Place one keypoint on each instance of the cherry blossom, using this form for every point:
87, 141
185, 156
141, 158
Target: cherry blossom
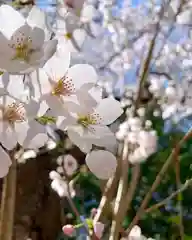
57, 83
60, 185
69, 163
23, 47
136, 234
18, 124
87, 125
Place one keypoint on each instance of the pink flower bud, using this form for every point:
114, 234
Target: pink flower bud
93, 212
68, 230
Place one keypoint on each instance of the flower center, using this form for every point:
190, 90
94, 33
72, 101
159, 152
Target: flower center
63, 87
13, 113
85, 121
68, 36
23, 49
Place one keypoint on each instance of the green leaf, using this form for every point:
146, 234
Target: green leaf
187, 237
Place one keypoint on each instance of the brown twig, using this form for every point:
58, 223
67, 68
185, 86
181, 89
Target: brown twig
157, 181
179, 199
8, 201
187, 184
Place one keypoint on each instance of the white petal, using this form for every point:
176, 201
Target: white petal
37, 36
36, 136
185, 17
89, 97
49, 48
98, 229
98, 132
5, 163
21, 130
102, 163
104, 137
109, 110
79, 36
7, 25
4, 47
38, 141
75, 135
39, 84
8, 136
65, 121
37, 18
55, 105
56, 67
32, 109
82, 74
14, 85
88, 13
135, 232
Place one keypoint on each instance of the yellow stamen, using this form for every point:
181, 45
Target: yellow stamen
68, 36
85, 121
13, 113
58, 88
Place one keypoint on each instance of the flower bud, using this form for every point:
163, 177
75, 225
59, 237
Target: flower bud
68, 230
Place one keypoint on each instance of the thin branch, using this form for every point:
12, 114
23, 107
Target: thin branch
179, 197
8, 201
187, 184
158, 179
161, 74
116, 54
116, 222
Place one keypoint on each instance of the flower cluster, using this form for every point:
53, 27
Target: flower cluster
38, 81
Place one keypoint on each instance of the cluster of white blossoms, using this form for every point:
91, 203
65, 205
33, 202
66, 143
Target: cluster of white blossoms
173, 99
60, 185
38, 79
142, 140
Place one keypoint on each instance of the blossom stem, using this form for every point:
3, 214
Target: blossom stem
107, 195
179, 197
157, 181
116, 222
187, 184
119, 206
8, 201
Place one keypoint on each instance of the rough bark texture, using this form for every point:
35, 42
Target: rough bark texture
37, 206
38, 212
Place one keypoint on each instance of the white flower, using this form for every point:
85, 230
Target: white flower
70, 164
102, 163
18, 124
22, 46
60, 186
5, 163
135, 233
57, 83
87, 126
69, 34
